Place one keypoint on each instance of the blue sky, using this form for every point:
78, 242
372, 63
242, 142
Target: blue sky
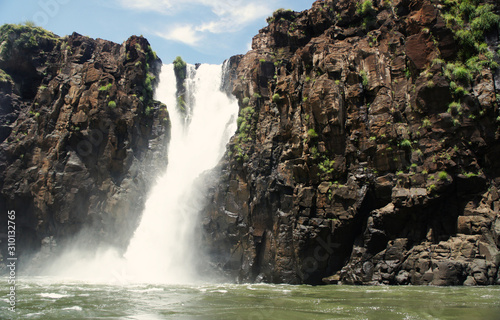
205, 31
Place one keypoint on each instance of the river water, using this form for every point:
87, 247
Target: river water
139, 284
49, 298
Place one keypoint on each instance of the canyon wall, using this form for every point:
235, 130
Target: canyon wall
79, 136
367, 148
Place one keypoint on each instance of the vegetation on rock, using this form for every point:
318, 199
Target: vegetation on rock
59, 114
26, 36
180, 70
384, 111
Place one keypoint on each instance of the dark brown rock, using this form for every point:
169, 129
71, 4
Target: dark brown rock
77, 141
355, 168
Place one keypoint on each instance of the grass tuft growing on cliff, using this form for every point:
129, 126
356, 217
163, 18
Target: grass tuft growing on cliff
311, 133
442, 175
245, 132
180, 68
276, 97
5, 77
365, 8
364, 78
106, 87
23, 36
281, 14
470, 22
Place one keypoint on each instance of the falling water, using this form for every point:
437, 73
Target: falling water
162, 247
163, 250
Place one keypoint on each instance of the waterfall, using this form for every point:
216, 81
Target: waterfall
162, 248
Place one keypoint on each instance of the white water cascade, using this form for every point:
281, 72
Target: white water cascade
162, 249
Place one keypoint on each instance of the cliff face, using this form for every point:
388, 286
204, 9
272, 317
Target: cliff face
78, 132
367, 149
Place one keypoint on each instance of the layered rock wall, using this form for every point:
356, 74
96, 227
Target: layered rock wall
367, 149
79, 133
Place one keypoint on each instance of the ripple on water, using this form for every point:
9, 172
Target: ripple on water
62, 301
146, 290
219, 291
74, 308
54, 295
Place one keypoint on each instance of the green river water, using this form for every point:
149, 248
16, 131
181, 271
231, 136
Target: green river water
42, 298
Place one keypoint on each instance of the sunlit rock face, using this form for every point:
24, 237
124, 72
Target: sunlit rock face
79, 131
366, 151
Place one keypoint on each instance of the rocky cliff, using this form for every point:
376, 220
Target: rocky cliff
78, 131
367, 148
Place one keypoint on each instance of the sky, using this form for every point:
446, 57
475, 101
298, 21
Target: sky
200, 31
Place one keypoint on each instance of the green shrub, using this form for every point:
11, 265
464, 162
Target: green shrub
5, 77
460, 72
474, 64
470, 174
454, 108
276, 97
245, 101
106, 87
244, 126
312, 133
327, 166
314, 152
485, 19
469, 21
460, 91
23, 36
436, 61
364, 78
248, 111
405, 144
442, 175
426, 123
466, 38
147, 83
180, 68
278, 12
239, 121
365, 8
112, 104
181, 104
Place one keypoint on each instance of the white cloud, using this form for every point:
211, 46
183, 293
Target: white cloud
162, 6
185, 34
234, 18
228, 15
